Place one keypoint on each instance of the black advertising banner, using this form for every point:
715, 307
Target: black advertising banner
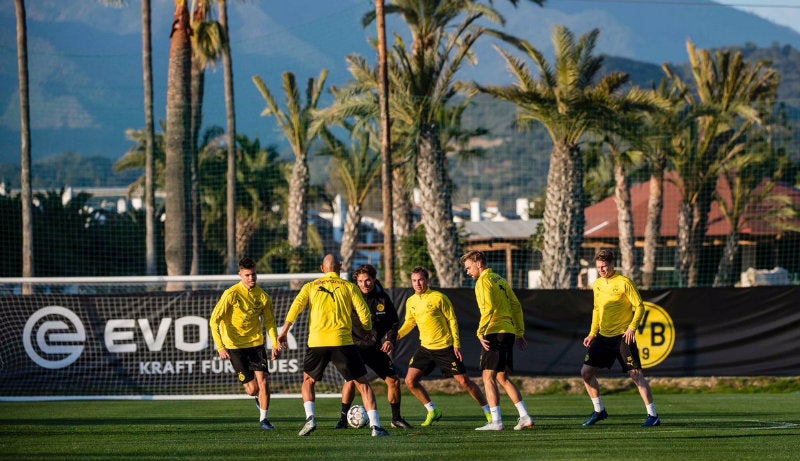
160, 343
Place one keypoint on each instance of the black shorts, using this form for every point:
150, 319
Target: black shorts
428, 359
378, 361
500, 356
346, 359
247, 361
604, 351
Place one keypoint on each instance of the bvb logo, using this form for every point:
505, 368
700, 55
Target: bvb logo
380, 308
655, 336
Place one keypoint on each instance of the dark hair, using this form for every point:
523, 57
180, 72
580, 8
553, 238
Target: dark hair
474, 256
247, 263
421, 270
607, 256
368, 269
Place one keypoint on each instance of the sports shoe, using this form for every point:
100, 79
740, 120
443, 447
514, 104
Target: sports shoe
493, 426
651, 421
378, 431
434, 415
488, 417
400, 423
595, 417
341, 424
309, 427
266, 425
524, 422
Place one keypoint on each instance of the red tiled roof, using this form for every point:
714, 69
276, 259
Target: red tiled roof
601, 218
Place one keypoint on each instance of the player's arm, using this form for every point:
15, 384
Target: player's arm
638, 311
268, 317
484, 300
214, 322
361, 308
408, 324
298, 305
450, 315
595, 328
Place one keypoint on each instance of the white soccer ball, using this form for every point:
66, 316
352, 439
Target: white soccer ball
357, 417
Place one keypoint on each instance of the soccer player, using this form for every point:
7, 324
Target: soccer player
237, 324
376, 345
330, 339
501, 326
440, 345
618, 310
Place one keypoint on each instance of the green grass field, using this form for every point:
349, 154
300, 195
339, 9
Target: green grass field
732, 426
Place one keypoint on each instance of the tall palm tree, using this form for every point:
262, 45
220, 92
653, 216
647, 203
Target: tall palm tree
568, 103
230, 117
149, 130
296, 122
386, 154
430, 65
357, 168
729, 91
25, 144
206, 49
177, 146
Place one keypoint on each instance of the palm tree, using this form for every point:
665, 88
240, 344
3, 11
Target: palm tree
230, 116
568, 104
25, 144
357, 168
177, 146
429, 67
386, 154
296, 125
206, 49
728, 91
149, 130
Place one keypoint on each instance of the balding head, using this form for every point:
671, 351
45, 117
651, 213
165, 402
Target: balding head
330, 263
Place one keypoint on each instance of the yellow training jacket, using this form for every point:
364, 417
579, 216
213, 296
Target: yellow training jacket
501, 311
332, 300
432, 312
618, 306
236, 321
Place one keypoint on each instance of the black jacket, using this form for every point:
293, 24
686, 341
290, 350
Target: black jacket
384, 320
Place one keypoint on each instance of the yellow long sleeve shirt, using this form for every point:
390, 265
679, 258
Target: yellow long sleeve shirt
501, 311
332, 300
433, 313
618, 306
236, 321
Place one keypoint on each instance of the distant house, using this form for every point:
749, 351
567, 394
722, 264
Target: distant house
763, 244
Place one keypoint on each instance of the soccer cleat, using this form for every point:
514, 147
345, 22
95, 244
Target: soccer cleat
493, 426
524, 422
651, 421
595, 417
378, 431
400, 423
266, 425
341, 424
434, 415
309, 427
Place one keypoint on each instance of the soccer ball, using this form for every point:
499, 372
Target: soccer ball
357, 417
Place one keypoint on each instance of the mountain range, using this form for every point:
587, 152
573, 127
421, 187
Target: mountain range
85, 58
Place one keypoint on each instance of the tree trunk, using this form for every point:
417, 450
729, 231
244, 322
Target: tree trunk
149, 142
652, 231
25, 145
437, 210
350, 236
683, 249
298, 214
402, 207
230, 116
563, 221
196, 124
622, 194
386, 154
725, 268
177, 144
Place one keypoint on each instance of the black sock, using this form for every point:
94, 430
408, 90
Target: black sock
396, 411
345, 408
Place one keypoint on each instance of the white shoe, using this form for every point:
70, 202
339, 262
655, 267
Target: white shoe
493, 426
524, 422
309, 427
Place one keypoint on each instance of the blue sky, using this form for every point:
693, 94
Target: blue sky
783, 12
